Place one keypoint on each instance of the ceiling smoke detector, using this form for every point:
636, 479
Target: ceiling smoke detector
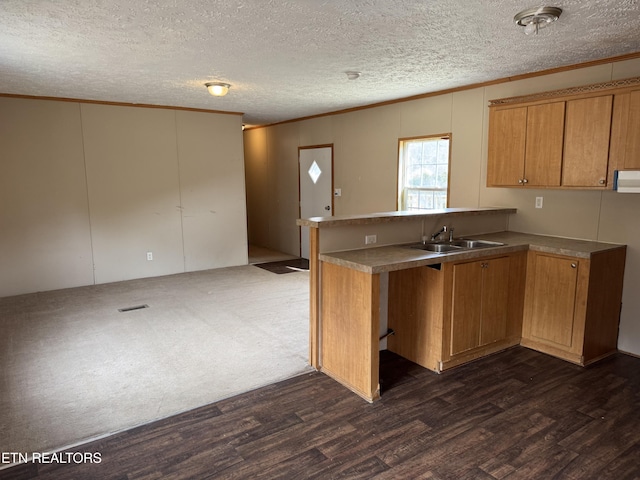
533, 19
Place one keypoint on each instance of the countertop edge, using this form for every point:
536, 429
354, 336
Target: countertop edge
401, 216
423, 258
573, 253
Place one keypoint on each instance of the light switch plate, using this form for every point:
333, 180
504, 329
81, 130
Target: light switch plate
539, 202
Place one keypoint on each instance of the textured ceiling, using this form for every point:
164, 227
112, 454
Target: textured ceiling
287, 59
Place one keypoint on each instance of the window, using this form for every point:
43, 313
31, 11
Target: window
423, 173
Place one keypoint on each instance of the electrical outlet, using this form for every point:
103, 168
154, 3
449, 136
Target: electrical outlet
538, 202
370, 239
149, 256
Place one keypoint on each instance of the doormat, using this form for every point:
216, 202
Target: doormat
286, 266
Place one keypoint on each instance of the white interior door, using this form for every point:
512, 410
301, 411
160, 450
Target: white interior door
316, 188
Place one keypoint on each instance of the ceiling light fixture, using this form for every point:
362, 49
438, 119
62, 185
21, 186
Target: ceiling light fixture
217, 89
353, 75
533, 19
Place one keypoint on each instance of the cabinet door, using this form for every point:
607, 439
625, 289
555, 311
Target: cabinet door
586, 142
543, 154
507, 133
632, 142
465, 306
495, 300
551, 311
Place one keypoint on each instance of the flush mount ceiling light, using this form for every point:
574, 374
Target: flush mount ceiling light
533, 19
353, 75
217, 89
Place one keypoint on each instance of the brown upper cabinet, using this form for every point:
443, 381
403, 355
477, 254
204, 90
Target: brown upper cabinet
525, 145
573, 138
625, 132
586, 142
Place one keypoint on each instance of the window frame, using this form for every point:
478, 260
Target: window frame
400, 169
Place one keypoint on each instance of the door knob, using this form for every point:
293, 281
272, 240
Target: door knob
327, 207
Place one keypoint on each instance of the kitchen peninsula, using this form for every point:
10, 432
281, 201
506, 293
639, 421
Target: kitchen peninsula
446, 309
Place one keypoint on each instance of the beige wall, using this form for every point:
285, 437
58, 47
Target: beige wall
87, 190
212, 190
45, 237
365, 161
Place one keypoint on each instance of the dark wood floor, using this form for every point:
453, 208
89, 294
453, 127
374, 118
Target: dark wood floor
515, 415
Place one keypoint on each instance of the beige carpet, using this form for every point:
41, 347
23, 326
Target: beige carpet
74, 368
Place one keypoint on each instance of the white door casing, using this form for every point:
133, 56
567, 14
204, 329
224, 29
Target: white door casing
316, 188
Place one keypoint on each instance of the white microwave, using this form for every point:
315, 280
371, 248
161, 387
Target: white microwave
626, 181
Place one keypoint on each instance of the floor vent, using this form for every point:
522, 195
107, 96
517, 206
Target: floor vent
135, 307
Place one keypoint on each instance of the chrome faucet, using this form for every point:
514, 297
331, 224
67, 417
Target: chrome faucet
438, 233
444, 229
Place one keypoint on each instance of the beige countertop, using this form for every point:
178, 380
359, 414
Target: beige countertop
388, 217
399, 257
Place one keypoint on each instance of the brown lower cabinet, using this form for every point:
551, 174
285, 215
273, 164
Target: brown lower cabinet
572, 305
451, 313
454, 312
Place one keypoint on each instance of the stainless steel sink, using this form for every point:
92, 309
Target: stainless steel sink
476, 243
455, 245
439, 247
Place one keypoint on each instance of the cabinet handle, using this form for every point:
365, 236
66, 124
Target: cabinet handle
573, 265
520, 181
601, 182
525, 180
